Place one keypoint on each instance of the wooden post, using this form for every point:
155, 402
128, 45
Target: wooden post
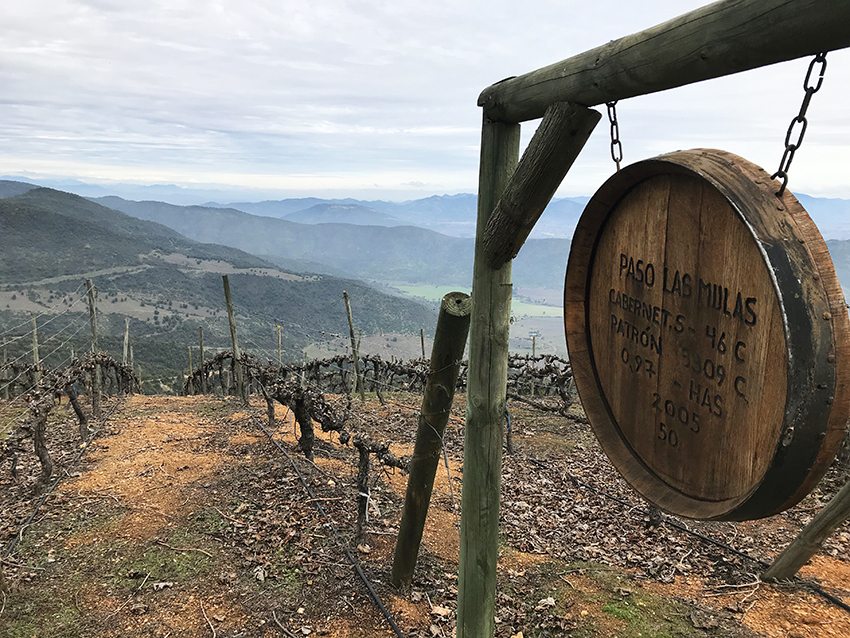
35, 357
533, 354
422, 338
362, 491
191, 386
355, 350
126, 339
279, 355
96, 378
131, 357
304, 370
237, 367
809, 541
6, 381
446, 355
203, 370
488, 374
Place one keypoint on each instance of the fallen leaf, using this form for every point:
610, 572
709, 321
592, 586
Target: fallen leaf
158, 586
440, 611
546, 602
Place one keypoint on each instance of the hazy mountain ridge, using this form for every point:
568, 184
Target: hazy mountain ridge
343, 214
453, 215
379, 253
168, 285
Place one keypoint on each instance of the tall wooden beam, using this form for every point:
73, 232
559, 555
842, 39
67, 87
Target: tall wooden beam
719, 39
485, 407
550, 154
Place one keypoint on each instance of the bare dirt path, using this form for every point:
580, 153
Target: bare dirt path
184, 520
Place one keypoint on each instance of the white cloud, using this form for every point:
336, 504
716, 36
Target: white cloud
352, 93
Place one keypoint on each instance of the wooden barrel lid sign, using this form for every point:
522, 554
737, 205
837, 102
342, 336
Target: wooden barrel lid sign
708, 336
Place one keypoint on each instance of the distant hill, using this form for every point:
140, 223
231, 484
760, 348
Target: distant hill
385, 254
168, 285
10, 188
452, 215
331, 213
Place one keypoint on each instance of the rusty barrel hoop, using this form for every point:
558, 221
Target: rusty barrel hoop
708, 336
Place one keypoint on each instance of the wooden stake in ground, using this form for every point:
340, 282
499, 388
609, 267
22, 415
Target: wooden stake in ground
279, 355
237, 367
6, 381
35, 358
446, 355
191, 386
422, 339
533, 354
355, 349
96, 381
126, 339
203, 369
809, 541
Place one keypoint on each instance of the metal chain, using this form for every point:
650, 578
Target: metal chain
616, 145
791, 148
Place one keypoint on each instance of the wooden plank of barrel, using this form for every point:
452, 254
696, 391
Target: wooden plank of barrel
708, 336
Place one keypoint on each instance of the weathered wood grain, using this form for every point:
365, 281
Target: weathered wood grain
446, 355
719, 39
708, 336
486, 389
809, 541
550, 154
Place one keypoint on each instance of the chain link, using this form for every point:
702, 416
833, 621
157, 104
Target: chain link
797, 128
616, 145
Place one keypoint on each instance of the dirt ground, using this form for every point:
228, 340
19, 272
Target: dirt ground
183, 519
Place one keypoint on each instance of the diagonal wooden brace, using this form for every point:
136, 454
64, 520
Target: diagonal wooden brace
555, 146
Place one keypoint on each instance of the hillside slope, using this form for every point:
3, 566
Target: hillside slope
168, 285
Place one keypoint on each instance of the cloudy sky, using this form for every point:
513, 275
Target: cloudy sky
370, 99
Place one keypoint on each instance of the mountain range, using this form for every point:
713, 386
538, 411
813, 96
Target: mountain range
386, 254
167, 284
288, 260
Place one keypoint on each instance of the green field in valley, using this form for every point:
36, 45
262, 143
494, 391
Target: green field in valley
519, 307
